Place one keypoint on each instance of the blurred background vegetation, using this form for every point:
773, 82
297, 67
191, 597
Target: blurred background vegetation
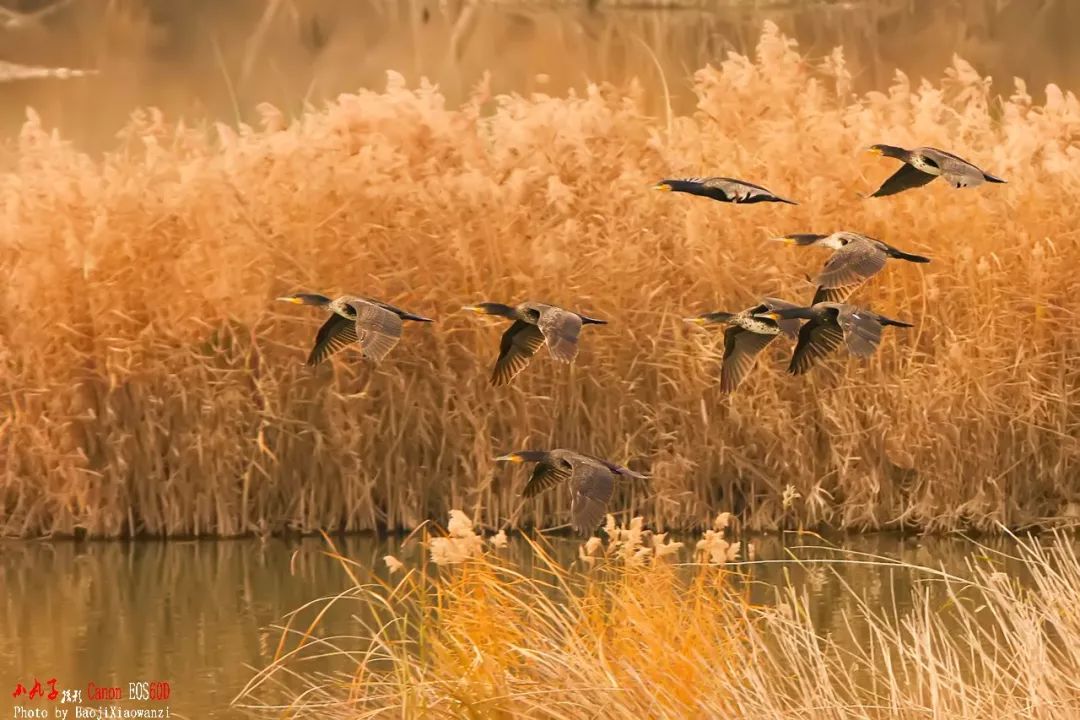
207, 58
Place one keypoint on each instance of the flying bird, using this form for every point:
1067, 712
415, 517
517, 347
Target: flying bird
723, 189
857, 259
535, 324
374, 325
748, 333
592, 481
923, 164
828, 325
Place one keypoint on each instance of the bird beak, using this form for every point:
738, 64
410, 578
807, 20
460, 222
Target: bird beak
662, 187
512, 457
473, 308
787, 240
771, 315
695, 320
291, 299
874, 151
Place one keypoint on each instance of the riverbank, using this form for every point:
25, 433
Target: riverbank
640, 626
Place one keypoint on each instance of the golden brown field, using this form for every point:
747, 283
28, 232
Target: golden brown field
640, 627
151, 384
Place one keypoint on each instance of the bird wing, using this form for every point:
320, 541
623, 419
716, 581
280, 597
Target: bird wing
519, 343
337, 332
862, 331
851, 266
957, 171
741, 348
547, 475
742, 191
377, 329
817, 338
906, 178
832, 295
591, 487
561, 329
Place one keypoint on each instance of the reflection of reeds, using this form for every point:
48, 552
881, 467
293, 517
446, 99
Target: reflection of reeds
652, 638
151, 385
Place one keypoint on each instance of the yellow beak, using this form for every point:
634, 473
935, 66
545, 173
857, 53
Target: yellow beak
662, 187
695, 320
472, 308
771, 315
874, 151
293, 300
512, 457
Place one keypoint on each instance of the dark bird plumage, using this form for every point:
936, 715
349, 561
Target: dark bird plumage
923, 164
374, 325
591, 480
535, 324
724, 189
830, 324
746, 336
856, 259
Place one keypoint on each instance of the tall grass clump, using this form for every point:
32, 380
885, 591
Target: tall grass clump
151, 385
632, 630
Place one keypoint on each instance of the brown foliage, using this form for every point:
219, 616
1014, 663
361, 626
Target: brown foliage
150, 384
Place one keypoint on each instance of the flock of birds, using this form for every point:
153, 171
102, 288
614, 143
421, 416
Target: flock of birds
818, 329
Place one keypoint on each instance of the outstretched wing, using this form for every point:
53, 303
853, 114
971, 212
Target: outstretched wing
591, 488
906, 178
519, 343
545, 476
847, 269
741, 348
862, 331
817, 338
832, 295
377, 329
560, 329
741, 191
335, 333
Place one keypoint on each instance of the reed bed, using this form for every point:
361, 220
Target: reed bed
642, 627
150, 385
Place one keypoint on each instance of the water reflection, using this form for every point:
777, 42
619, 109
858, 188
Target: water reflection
201, 614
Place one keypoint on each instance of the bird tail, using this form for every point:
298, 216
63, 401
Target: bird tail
901, 255
993, 178
897, 323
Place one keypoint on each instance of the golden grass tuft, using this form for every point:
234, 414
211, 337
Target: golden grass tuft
150, 384
488, 638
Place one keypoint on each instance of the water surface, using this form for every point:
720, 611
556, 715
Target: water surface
201, 615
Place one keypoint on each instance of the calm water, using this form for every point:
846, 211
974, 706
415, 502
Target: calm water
200, 615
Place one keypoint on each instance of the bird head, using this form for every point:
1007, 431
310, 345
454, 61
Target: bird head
887, 150
800, 239
490, 308
305, 299
709, 318
523, 456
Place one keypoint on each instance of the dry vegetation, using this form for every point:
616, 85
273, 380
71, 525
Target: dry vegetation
148, 383
632, 633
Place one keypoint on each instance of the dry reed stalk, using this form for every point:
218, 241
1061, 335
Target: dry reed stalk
630, 634
150, 384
